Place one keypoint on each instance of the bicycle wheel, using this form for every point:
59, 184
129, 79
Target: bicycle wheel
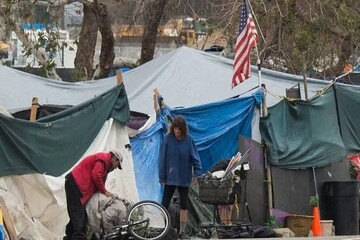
148, 220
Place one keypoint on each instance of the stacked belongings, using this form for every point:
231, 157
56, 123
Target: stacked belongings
105, 213
224, 188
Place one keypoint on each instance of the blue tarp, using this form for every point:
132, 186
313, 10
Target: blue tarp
33, 26
215, 127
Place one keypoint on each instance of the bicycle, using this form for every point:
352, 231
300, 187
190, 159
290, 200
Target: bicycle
146, 220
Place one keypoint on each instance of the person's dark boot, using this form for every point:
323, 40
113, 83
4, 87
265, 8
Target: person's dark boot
182, 235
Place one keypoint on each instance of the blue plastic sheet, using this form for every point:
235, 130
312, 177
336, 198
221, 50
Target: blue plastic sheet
145, 151
215, 127
2, 235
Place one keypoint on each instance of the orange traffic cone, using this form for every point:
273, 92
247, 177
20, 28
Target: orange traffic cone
316, 225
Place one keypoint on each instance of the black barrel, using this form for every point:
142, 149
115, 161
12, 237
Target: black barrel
341, 204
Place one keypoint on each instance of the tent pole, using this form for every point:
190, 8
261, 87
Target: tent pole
266, 163
307, 98
258, 63
316, 191
263, 113
305, 79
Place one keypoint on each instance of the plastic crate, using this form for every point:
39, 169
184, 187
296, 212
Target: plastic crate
216, 191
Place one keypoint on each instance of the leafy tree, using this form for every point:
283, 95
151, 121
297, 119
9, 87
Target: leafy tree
296, 35
319, 35
16, 12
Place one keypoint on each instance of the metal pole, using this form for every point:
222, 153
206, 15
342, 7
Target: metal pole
263, 112
62, 55
306, 98
305, 78
266, 163
315, 182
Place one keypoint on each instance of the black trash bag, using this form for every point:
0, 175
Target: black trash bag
233, 232
263, 232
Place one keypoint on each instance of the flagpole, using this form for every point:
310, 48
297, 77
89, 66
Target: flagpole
263, 113
258, 63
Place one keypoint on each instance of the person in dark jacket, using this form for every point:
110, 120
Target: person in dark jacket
82, 182
178, 159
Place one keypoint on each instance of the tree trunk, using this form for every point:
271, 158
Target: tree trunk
86, 46
154, 13
107, 54
4, 33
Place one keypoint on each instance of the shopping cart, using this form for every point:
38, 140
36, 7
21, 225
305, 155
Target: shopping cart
230, 190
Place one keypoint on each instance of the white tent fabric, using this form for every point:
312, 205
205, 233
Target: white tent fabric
17, 89
3, 111
37, 203
185, 77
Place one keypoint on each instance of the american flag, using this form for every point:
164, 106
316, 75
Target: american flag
246, 40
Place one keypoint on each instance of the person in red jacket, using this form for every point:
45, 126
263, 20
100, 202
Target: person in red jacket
82, 182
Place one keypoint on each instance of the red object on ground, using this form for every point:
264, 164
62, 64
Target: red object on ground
316, 225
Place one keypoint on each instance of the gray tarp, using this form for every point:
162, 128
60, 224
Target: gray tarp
188, 77
185, 77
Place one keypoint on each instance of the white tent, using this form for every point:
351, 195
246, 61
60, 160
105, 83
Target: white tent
37, 203
18, 88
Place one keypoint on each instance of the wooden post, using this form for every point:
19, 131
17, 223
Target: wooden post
34, 107
119, 77
7, 220
156, 92
155, 100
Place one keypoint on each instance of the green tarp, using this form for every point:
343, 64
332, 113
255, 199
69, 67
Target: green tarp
301, 134
348, 102
54, 144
